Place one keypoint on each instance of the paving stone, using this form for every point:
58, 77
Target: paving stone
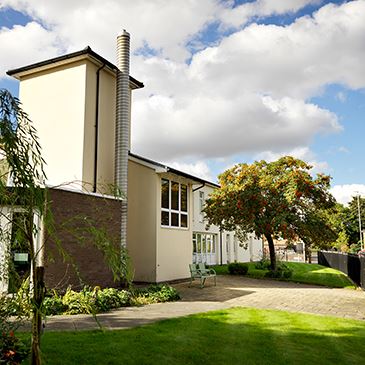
229, 292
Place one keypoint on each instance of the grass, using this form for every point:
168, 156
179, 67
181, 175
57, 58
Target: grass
233, 336
302, 273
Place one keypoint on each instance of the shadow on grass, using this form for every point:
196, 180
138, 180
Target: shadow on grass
236, 336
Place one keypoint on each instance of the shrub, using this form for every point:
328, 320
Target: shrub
282, 272
79, 302
12, 350
263, 264
110, 298
156, 293
237, 268
53, 305
90, 301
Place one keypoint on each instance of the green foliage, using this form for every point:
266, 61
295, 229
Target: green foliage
12, 350
282, 272
88, 301
110, 298
156, 293
18, 304
263, 264
237, 268
19, 146
276, 199
351, 219
53, 305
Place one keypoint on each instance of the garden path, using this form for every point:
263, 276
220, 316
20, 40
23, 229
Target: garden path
230, 292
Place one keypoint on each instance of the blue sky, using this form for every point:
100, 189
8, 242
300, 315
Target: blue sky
225, 81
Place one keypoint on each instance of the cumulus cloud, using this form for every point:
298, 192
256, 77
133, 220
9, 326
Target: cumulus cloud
212, 127
249, 93
240, 15
296, 60
164, 26
22, 45
345, 193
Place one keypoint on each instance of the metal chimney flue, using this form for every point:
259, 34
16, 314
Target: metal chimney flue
122, 125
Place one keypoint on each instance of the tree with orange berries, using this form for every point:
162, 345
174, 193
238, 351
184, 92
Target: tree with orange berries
277, 199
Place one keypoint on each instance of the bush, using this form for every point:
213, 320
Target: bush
263, 264
87, 301
237, 268
53, 305
90, 301
110, 298
12, 350
156, 293
79, 302
282, 272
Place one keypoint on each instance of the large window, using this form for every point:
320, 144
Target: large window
174, 204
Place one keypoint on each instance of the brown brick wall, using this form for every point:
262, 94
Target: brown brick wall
72, 213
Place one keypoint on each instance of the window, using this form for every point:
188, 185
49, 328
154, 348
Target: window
204, 243
174, 204
201, 206
228, 243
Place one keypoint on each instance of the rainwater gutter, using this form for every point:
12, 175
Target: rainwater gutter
199, 187
97, 128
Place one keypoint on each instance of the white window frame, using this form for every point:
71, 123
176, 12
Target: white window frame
210, 239
179, 212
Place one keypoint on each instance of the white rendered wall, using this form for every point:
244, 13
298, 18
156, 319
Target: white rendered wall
250, 251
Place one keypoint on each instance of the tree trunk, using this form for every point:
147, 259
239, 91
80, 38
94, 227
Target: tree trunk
38, 294
270, 241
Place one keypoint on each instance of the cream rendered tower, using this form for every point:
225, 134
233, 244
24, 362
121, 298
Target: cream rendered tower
72, 101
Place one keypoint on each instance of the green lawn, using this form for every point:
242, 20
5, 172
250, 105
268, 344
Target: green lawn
302, 273
234, 336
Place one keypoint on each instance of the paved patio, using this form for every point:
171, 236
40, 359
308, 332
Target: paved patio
229, 292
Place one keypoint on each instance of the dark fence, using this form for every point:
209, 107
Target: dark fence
350, 264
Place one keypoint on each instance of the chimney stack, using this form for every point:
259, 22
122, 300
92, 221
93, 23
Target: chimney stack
122, 126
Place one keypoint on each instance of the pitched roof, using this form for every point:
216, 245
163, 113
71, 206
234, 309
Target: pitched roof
198, 180
85, 52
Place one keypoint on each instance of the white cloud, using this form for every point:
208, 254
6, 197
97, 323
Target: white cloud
240, 15
22, 45
212, 127
198, 168
247, 94
163, 25
297, 60
345, 193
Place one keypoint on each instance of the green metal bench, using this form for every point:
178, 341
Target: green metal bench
201, 272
